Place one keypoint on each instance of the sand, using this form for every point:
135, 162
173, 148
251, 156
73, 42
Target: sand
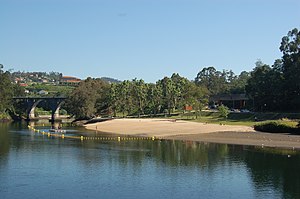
194, 131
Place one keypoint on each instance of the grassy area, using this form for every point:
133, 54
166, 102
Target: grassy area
234, 118
245, 119
51, 89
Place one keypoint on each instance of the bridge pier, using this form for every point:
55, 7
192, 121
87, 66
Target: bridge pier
55, 107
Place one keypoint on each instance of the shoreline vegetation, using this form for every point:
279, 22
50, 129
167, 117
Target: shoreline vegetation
173, 129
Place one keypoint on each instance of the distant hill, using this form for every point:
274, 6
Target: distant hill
110, 80
23, 77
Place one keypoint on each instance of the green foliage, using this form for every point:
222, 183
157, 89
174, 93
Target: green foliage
7, 91
137, 97
224, 111
40, 111
290, 47
278, 87
276, 127
220, 82
139, 93
4, 116
89, 99
262, 86
53, 90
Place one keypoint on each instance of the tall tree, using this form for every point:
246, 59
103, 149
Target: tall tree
181, 85
139, 93
213, 80
124, 97
290, 47
113, 99
154, 98
264, 87
196, 96
7, 91
166, 86
88, 99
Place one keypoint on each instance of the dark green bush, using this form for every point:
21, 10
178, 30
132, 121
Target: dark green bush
276, 127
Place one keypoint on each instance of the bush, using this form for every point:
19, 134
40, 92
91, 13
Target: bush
224, 111
276, 127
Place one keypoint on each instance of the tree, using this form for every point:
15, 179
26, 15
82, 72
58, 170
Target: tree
265, 87
154, 98
113, 98
139, 93
197, 97
180, 90
168, 90
224, 111
88, 99
7, 91
124, 97
238, 83
213, 80
172, 91
278, 87
290, 47
258, 85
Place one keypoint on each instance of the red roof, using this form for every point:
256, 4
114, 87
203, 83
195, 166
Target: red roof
23, 84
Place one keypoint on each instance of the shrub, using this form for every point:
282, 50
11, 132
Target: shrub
224, 111
276, 127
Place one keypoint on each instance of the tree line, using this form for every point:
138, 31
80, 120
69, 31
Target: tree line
277, 87
97, 97
7, 91
271, 88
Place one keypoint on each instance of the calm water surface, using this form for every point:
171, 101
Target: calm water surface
35, 166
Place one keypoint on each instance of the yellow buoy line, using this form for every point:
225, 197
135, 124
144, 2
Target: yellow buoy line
63, 136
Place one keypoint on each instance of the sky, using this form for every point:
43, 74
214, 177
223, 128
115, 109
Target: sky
143, 39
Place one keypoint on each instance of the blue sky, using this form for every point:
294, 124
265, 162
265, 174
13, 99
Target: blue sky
146, 39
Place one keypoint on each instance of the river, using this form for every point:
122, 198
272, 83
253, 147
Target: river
33, 165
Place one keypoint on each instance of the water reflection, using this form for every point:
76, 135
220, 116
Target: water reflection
271, 171
141, 168
4, 138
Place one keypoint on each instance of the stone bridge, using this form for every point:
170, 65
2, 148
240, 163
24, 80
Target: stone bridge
32, 102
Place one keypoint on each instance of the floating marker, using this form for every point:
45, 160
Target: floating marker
81, 137
153, 138
119, 139
62, 136
48, 134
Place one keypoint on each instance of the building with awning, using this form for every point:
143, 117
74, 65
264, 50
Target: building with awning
235, 101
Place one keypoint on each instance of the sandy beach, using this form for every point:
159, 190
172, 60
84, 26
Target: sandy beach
194, 131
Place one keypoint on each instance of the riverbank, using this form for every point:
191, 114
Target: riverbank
194, 131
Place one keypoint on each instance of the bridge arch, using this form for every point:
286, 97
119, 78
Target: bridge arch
30, 109
55, 104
